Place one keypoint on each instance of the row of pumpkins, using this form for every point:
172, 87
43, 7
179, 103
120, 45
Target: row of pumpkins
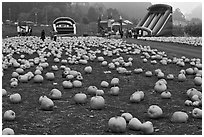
196, 41
80, 51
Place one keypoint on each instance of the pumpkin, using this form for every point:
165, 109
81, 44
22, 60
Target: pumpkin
19, 70
196, 103
137, 71
14, 84
197, 113
189, 71
160, 87
46, 103
117, 124
55, 94
104, 84
134, 124
38, 79
8, 131
55, 67
154, 111
30, 75
23, 78
195, 98
14, 79
80, 98
181, 77
69, 77
77, 83
114, 91
166, 95
147, 127
100, 59
188, 103
92, 90
99, 92
192, 91
160, 75
135, 97
37, 72
115, 81
127, 116
104, 63
14, 74
67, 84
73, 72
148, 73
4, 92
9, 115
179, 117
79, 77
170, 76
15, 98
198, 81
88, 69
50, 76
97, 102
161, 80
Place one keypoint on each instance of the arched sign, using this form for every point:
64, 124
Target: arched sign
64, 26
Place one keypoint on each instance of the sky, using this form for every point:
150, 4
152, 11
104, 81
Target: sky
185, 7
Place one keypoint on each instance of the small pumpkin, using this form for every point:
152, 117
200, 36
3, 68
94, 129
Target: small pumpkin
92, 90
55, 94
134, 124
114, 91
77, 83
166, 95
38, 79
80, 98
15, 98
67, 84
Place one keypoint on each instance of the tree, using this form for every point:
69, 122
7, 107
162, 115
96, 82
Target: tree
135, 21
23, 16
195, 21
178, 15
92, 14
85, 20
113, 12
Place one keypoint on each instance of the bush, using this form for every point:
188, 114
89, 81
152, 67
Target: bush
194, 30
178, 31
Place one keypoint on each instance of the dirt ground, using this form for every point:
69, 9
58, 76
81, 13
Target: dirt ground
69, 118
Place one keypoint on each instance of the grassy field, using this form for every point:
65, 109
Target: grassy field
69, 118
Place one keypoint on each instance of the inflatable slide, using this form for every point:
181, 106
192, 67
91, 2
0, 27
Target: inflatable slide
157, 22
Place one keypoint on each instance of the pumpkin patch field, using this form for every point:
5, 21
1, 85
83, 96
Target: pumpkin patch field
99, 86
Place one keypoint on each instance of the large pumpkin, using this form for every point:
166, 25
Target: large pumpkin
117, 124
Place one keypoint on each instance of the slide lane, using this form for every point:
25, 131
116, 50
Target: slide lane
160, 22
151, 26
149, 21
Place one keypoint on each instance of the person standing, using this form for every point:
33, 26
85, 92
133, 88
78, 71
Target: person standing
43, 35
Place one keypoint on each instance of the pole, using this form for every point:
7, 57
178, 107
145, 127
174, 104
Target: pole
121, 26
10, 14
36, 18
46, 15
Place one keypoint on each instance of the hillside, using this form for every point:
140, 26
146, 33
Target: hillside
27, 10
